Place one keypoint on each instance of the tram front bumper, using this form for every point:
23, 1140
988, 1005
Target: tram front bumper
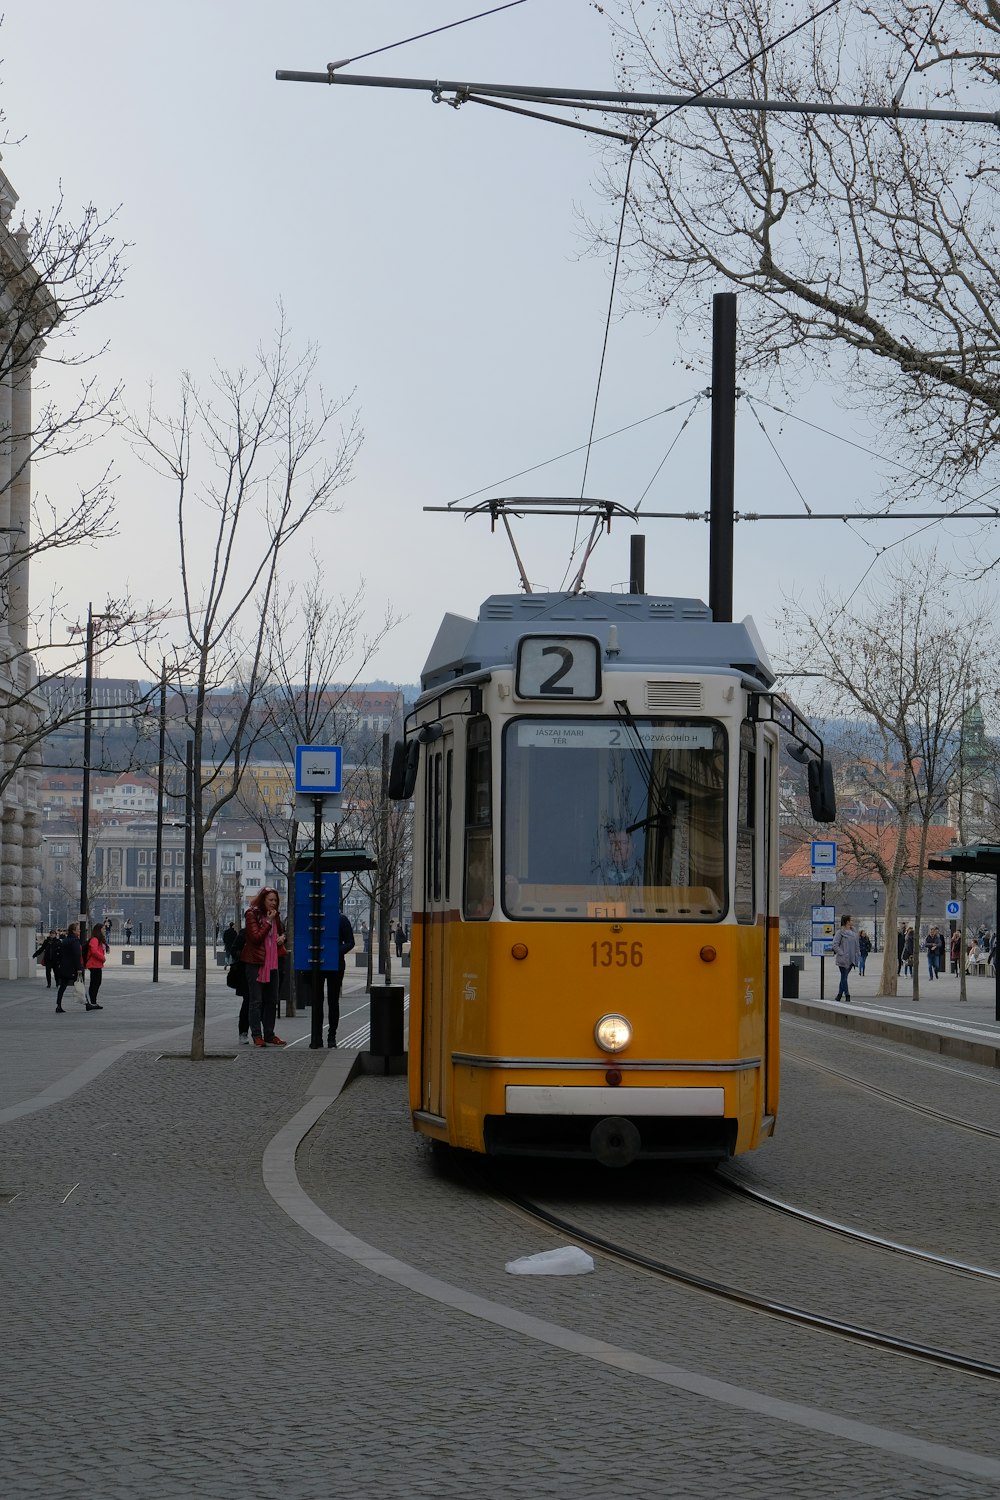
614, 1127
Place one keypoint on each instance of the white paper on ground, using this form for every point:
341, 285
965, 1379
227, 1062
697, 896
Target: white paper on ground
569, 1260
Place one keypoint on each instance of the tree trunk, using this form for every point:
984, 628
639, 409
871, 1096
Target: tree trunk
198, 880
889, 981
918, 902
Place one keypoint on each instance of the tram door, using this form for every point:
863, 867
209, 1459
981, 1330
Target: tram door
769, 901
438, 903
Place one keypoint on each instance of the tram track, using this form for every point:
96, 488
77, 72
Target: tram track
754, 1302
725, 1184
899, 1099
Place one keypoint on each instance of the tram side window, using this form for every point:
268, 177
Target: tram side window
435, 845
478, 903
744, 904
449, 759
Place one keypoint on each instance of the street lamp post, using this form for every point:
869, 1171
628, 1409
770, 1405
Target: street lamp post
88, 700
875, 905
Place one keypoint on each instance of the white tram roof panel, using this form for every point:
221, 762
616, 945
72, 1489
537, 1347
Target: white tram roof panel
652, 631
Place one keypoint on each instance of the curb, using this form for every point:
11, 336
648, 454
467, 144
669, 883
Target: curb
913, 1034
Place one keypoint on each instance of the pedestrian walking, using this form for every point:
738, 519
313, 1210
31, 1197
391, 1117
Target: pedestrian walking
847, 954
128, 932
260, 956
900, 946
68, 963
956, 950
46, 953
908, 952
864, 948
400, 938
94, 958
232, 941
935, 953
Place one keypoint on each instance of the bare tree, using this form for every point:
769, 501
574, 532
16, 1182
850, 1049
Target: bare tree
899, 670
386, 828
318, 649
869, 243
253, 462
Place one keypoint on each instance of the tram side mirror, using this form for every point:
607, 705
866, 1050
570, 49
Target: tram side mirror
822, 796
403, 770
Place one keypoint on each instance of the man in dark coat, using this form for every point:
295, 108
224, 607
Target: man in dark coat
333, 979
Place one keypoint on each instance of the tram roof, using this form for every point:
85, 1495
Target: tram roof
652, 631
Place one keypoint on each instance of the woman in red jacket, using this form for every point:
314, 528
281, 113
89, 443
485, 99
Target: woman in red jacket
261, 954
94, 955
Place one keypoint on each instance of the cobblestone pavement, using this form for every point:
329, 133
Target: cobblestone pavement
938, 998
170, 1328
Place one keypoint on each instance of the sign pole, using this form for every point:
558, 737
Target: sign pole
316, 927
822, 957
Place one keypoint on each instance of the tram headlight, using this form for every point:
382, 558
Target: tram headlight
613, 1033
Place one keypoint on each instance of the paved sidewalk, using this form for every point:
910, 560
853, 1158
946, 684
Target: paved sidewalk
937, 1019
221, 1279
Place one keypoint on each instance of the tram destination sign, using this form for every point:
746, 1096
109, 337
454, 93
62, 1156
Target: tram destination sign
574, 735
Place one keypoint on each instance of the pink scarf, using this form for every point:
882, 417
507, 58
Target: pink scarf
270, 963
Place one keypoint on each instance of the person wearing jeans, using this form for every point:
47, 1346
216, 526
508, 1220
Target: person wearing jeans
847, 953
260, 958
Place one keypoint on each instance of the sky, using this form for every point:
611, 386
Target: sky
439, 259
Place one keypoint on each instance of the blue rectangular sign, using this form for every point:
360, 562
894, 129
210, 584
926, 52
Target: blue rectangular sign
329, 950
318, 770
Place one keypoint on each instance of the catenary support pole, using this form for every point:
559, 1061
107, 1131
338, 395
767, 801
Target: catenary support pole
721, 520
316, 926
188, 831
158, 857
88, 710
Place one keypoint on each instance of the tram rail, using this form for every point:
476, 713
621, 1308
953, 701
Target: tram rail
893, 1098
738, 1296
726, 1184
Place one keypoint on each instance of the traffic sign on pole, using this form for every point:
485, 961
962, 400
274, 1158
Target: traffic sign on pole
318, 769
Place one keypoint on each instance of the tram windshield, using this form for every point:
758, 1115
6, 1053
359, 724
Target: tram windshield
607, 819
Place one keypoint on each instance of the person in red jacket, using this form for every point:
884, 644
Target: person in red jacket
260, 957
94, 955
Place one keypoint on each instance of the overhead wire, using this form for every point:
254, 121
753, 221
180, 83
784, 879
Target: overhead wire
677, 437
571, 452
744, 63
604, 344
420, 35
754, 57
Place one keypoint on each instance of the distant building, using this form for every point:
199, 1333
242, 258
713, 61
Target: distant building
27, 311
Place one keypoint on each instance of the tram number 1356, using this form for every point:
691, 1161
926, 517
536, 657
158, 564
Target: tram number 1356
618, 955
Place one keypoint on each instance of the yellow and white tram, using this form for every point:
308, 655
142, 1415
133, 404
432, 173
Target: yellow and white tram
594, 969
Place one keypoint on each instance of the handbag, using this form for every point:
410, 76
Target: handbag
231, 978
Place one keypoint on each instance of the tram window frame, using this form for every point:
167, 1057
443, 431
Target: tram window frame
745, 841
478, 900
448, 772
601, 909
435, 843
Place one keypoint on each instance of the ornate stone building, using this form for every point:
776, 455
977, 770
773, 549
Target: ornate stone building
27, 311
